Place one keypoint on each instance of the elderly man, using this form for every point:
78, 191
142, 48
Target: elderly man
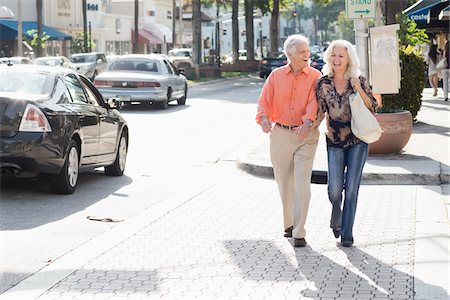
287, 108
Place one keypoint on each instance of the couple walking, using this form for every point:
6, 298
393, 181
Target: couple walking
294, 100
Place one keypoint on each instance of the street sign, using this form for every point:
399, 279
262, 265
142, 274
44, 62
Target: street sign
360, 9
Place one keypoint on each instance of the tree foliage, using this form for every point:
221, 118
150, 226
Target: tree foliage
77, 44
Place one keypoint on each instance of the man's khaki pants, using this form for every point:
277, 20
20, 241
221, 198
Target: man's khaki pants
292, 162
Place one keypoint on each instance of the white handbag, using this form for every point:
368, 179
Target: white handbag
364, 125
442, 64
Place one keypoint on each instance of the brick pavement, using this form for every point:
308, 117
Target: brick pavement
227, 243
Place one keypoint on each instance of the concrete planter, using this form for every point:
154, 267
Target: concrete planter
397, 129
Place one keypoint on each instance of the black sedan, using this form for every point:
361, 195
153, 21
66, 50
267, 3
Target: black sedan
272, 61
54, 121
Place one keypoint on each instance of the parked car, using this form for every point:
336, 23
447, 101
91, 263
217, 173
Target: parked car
242, 55
272, 61
90, 64
181, 58
143, 78
55, 61
15, 60
317, 61
55, 122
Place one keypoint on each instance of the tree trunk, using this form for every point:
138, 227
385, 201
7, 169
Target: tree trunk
274, 34
85, 35
235, 30
197, 30
136, 27
39, 28
391, 8
249, 30
174, 34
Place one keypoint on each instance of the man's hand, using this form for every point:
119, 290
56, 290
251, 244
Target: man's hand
304, 129
265, 124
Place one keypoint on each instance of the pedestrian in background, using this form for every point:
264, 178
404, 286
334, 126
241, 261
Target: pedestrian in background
346, 154
446, 71
431, 60
288, 100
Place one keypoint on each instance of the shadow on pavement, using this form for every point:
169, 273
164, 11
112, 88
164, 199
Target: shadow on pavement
29, 203
313, 275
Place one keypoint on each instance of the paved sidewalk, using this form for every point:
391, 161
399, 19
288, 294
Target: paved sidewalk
226, 243
425, 160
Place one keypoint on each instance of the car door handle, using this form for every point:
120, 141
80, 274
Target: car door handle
102, 117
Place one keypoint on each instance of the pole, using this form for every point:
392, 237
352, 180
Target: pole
85, 26
90, 37
218, 19
136, 28
19, 29
174, 34
361, 42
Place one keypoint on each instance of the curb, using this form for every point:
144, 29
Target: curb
320, 176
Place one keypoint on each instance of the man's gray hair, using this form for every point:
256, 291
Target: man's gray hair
292, 41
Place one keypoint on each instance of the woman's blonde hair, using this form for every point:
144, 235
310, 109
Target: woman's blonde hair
353, 60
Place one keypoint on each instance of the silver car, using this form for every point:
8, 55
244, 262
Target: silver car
89, 64
55, 61
143, 78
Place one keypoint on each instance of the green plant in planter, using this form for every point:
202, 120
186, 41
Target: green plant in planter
413, 79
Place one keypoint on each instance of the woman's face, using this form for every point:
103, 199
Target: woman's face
339, 59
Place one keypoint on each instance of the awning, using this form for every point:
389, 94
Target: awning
434, 24
8, 30
161, 31
444, 15
145, 37
419, 11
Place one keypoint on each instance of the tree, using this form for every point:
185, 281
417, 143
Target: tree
85, 35
274, 31
248, 4
197, 28
77, 44
235, 30
37, 40
39, 37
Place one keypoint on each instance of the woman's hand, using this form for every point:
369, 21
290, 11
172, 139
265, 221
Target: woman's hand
356, 84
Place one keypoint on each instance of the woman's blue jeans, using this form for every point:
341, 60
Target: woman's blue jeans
345, 168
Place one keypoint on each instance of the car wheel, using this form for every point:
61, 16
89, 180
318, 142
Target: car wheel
182, 101
118, 167
66, 181
165, 104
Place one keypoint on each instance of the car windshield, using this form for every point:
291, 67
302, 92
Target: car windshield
146, 65
26, 81
82, 58
48, 62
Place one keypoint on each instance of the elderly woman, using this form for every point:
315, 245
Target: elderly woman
346, 153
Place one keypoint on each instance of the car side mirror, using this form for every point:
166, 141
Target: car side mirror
115, 103
182, 71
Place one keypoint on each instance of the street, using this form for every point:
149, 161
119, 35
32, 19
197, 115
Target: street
170, 150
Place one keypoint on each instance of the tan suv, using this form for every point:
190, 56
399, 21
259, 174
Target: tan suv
181, 58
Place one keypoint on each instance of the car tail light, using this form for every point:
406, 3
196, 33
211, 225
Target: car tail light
264, 62
148, 84
34, 120
101, 83
285, 62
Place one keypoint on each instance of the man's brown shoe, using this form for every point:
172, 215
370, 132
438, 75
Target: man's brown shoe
288, 232
299, 242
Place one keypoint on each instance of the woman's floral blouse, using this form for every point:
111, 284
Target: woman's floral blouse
337, 108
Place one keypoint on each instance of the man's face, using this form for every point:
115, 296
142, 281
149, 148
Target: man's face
300, 58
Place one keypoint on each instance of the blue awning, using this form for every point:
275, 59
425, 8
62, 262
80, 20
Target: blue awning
419, 10
8, 30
